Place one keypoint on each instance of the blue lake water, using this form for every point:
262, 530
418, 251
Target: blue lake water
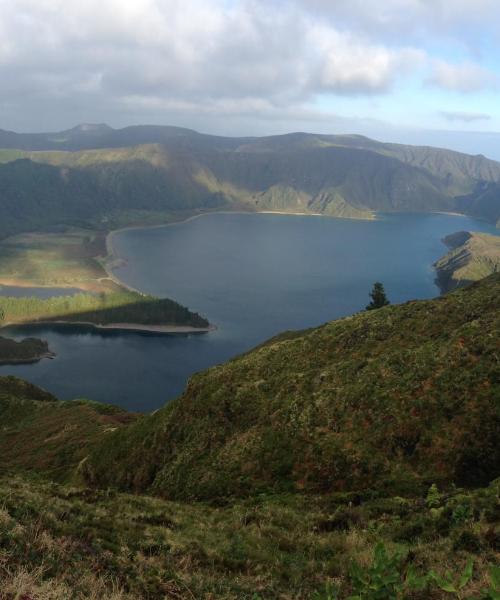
252, 275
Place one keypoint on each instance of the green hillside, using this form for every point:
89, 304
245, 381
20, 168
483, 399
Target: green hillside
357, 458
101, 177
472, 256
392, 399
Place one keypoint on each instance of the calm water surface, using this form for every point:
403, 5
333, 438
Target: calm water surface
253, 275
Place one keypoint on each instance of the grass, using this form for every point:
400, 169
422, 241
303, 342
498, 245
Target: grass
393, 398
61, 541
41, 434
472, 257
66, 259
76, 258
355, 459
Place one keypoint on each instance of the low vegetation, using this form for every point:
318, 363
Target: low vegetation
358, 460
25, 351
472, 257
66, 258
395, 398
66, 541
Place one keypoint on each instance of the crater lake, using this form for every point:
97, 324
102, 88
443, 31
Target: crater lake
251, 275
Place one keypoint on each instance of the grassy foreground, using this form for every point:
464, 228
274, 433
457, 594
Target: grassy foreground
61, 542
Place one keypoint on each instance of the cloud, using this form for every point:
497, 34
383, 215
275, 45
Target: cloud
465, 77
410, 19
465, 117
202, 51
63, 61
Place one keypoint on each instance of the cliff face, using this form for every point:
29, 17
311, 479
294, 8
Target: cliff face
472, 256
92, 177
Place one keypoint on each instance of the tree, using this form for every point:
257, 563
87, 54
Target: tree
378, 297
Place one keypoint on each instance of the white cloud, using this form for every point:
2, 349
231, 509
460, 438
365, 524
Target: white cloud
464, 77
189, 50
95, 59
410, 19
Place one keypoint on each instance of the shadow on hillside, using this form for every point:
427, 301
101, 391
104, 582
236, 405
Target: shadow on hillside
133, 317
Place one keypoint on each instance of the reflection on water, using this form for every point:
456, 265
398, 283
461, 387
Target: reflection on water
253, 276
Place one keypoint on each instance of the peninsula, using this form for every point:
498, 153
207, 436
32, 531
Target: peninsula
472, 256
78, 259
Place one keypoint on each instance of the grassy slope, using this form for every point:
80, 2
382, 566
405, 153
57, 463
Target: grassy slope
59, 542
359, 416
472, 256
386, 399
40, 433
410, 387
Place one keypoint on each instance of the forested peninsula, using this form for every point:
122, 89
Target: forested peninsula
121, 309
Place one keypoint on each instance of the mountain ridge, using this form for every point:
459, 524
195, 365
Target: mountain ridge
93, 176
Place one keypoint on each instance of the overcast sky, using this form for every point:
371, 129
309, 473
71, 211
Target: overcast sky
422, 71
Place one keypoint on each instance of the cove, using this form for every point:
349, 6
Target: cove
253, 276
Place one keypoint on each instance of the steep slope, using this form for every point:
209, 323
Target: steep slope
42, 434
90, 173
387, 400
472, 256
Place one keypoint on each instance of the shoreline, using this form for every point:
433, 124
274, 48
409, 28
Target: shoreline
133, 327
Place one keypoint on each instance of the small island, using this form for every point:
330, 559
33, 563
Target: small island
29, 350
472, 256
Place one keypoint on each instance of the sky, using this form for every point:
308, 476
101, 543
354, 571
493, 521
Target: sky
416, 71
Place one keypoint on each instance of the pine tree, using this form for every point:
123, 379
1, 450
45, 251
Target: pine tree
378, 297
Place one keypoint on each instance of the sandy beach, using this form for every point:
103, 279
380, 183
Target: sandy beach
121, 326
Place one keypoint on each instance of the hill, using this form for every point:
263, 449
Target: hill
306, 468
100, 177
472, 256
397, 398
